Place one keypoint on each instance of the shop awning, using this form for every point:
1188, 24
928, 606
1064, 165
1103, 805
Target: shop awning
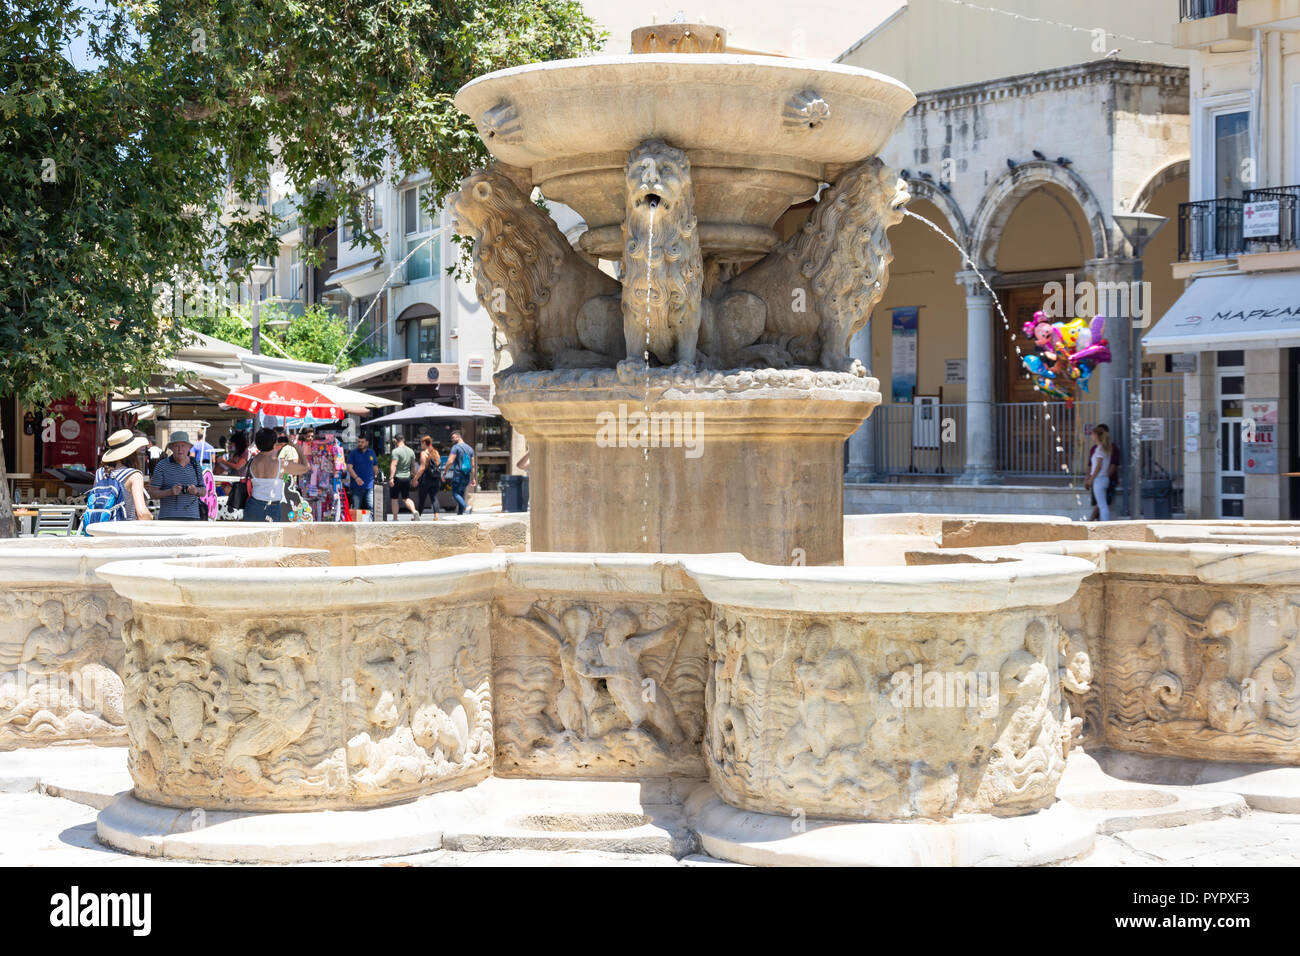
361, 279
1231, 312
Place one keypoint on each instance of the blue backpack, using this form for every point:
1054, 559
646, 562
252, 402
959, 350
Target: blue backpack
106, 501
465, 462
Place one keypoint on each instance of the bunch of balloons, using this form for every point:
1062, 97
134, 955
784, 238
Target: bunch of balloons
1067, 353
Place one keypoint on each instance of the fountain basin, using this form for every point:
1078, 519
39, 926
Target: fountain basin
761, 133
366, 687
913, 693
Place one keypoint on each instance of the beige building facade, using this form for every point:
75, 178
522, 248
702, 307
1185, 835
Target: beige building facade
1236, 327
1023, 174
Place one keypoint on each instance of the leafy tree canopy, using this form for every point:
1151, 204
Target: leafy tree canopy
317, 335
119, 177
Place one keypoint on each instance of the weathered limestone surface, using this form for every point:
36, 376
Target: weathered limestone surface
627, 461
424, 676
61, 649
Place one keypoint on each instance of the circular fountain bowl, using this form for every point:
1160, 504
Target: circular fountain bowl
761, 133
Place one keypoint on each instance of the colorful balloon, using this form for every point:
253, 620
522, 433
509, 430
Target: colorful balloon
1068, 352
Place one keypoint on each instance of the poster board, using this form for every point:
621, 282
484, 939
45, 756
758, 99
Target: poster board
903, 326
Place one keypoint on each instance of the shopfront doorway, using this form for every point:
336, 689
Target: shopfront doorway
1230, 399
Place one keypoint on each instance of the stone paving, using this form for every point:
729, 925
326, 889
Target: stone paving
49, 799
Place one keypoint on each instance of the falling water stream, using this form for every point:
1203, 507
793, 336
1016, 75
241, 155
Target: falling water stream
645, 396
1006, 323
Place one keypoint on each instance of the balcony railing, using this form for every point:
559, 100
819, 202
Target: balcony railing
1288, 220
1200, 9
1210, 229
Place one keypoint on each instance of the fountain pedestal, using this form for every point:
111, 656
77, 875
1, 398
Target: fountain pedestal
689, 462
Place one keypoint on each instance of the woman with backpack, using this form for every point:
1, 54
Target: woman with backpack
428, 478
118, 494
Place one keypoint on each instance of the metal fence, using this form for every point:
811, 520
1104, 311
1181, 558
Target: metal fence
1042, 439
930, 440
1162, 452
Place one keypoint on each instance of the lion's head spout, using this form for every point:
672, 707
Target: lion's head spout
663, 270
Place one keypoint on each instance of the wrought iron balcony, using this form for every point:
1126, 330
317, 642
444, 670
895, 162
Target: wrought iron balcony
1287, 236
1210, 229
1201, 9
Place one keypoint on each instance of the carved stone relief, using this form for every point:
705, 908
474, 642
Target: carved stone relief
61, 656
798, 306
1205, 674
888, 717
350, 708
593, 689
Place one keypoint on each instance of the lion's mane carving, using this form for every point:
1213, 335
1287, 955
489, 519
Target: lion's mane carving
663, 270
814, 291
554, 309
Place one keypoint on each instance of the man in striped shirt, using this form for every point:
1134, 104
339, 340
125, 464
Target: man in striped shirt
175, 482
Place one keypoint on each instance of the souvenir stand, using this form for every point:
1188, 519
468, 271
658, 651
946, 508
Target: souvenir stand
322, 486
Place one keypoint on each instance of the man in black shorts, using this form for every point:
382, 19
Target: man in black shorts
400, 471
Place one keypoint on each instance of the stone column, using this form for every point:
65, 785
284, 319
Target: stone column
980, 449
1105, 274
862, 443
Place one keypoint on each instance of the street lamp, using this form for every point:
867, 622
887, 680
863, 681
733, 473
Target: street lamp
259, 275
1139, 228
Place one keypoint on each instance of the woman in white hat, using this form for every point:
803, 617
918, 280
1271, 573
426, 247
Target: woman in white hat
123, 445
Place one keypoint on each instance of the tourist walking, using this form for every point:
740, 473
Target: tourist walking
118, 493
266, 473
400, 470
361, 464
428, 479
177, 481
460, 471
1103, 468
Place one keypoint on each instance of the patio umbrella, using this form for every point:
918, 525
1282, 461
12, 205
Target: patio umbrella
425, 411
294, 399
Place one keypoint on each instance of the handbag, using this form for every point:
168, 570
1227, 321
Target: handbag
239, 492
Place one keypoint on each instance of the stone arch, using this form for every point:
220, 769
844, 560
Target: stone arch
931, 193
1179, 169
1001, 199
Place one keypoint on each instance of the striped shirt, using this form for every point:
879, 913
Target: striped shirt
168, 474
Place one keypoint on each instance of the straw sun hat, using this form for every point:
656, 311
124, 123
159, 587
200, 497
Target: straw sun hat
123, 444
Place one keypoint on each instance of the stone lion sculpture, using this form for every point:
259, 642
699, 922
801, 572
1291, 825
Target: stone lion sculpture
804, 301
553, 308
663, 270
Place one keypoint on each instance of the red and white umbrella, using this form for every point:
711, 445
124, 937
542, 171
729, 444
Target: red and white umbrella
290, 399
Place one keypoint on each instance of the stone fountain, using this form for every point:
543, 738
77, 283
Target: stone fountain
701, 404
656, 668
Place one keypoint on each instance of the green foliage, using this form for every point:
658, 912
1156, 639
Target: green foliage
118, 178
318, 335
233, 327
